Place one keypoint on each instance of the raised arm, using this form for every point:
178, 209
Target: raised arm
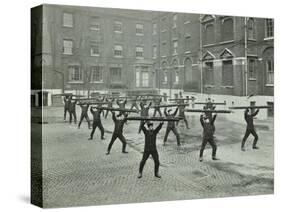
256, 112
143, 127
175, 113
201, 120
150, 103
214, 119
113, 116
158, 128
165, 112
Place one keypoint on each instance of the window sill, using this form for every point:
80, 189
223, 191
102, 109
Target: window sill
68, 27
118, 32
268, 38
187, 22
95, 55
67, 54
75, 82
97, 30
252, 39
187, 52
139, 34
207, 45
118, 56
225, 42
96, 82
227, 86
252, 79
269, 85
163, 56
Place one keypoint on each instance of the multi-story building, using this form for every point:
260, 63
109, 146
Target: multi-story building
84, 49
88, 49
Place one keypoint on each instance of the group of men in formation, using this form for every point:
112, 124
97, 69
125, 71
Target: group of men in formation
207, 120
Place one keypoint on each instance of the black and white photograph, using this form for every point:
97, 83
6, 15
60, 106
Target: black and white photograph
132, 106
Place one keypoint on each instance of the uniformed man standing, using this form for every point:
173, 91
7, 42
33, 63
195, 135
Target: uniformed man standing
208, 135
110, 104
119, 122
66, 100
144, 112
182, 113
157, 102
171, 126
84, 114
250, 129
96, 122
72, 110
100, 101
150, 148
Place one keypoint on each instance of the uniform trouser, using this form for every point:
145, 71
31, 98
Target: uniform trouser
157, 109
135, 106
213, 145
113, 139
141, 123
174, 130
247, 133
106, 114
87, 119
155, 157
99, 125
64, 114
185, 121
73, 113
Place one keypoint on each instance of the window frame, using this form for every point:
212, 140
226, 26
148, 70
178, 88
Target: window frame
71, 48
63, 20
99, 70
70, 75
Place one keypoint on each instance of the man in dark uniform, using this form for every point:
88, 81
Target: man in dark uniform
171, 126
66, 100
208, 135
134, 104
110, 104
144, 113
84, 114
119, 122
182, 113
150, 148
72, 110
209, 106
157, 102
96, 122
250, 129
100, 101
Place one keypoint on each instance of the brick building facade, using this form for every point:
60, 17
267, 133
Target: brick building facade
85, 49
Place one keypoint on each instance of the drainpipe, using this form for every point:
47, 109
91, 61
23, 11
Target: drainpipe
201, 57
246, 57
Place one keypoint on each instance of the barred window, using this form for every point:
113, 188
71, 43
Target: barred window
139, 29
95, 49
252, 68
117, 26
209, 73
115, 74
209, 34
175, 47
269, 28
251, 29
139, 52
227, 29
269, 71
67, 47
97, 73
118, 51
95, 23
145, 78
227, 73
67, 20
74, 73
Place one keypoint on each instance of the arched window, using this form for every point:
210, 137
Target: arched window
209, 35
227, 29
187, 70
251, 29
176, 72
165, 73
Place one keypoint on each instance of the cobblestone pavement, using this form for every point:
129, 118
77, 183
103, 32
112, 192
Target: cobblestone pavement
77, 172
